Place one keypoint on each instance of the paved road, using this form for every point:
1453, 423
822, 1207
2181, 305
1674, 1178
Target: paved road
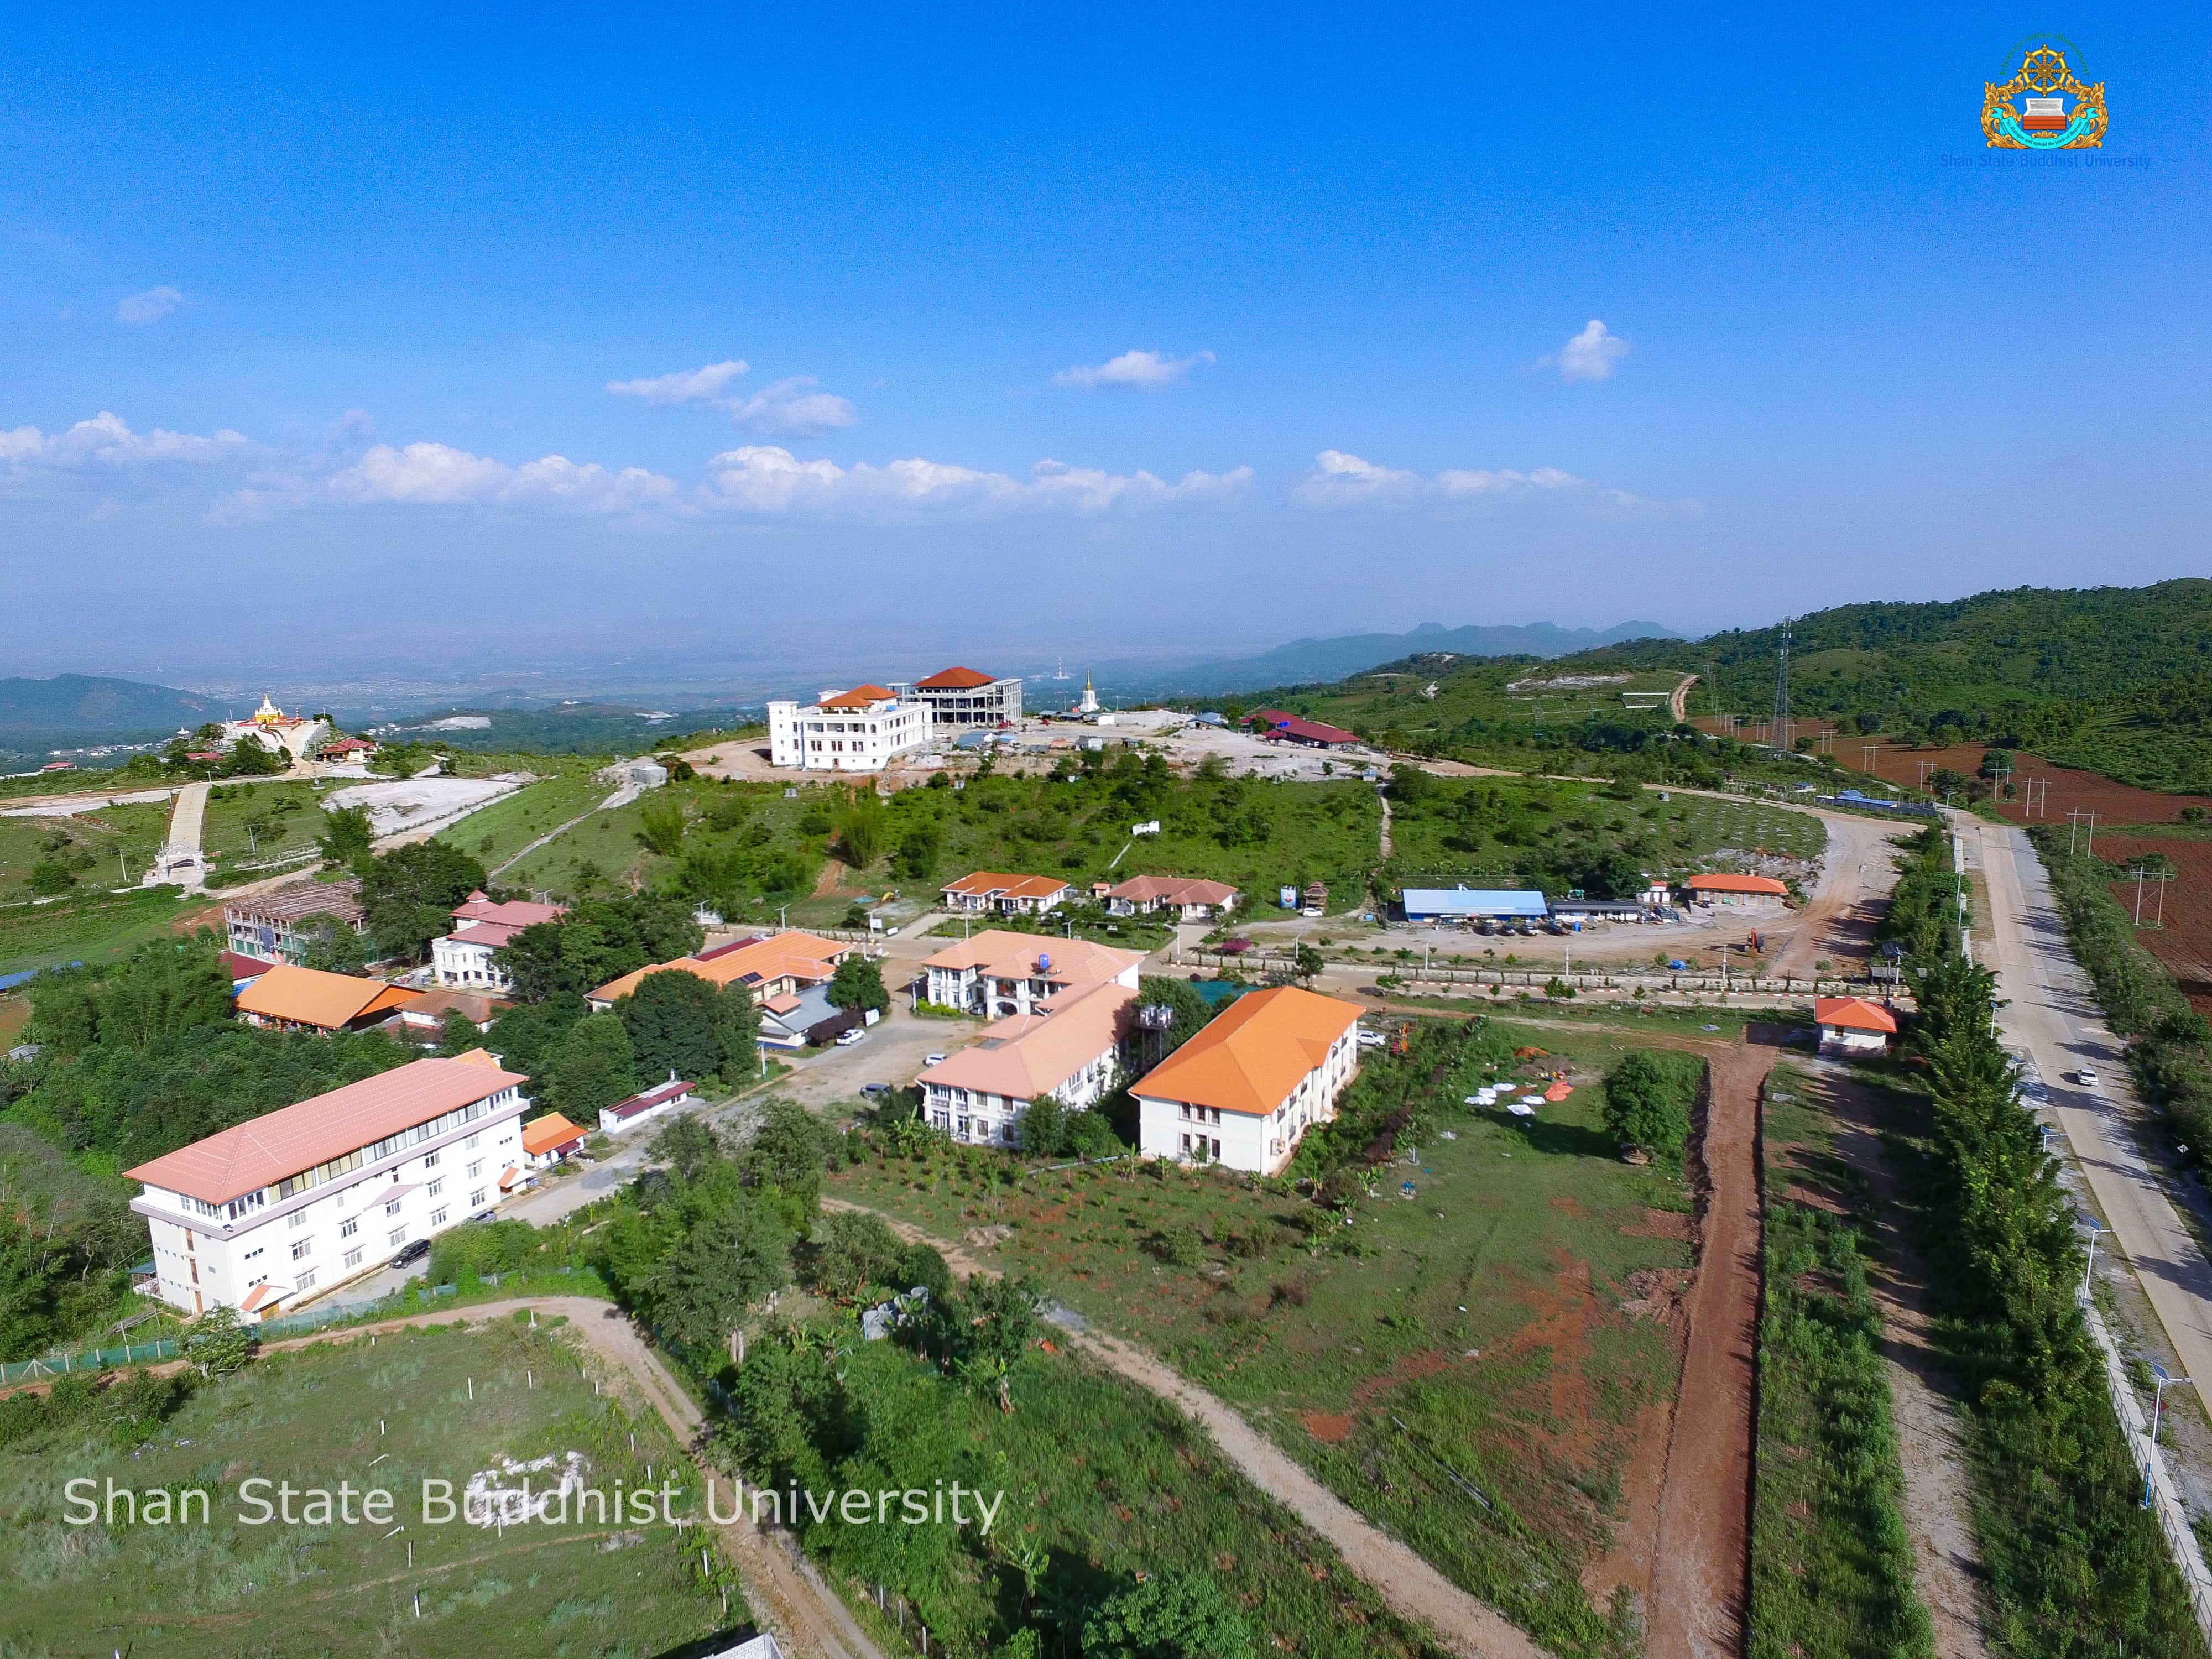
2052, 1015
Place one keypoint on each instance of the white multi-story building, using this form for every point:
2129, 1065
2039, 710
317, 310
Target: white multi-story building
859, 730
963, 699
274, 1210
465, 959
997, 974
1245, 1089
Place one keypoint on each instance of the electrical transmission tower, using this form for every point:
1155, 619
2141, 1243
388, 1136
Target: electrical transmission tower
1779, 733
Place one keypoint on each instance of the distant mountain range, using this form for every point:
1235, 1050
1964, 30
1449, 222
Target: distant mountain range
1313, 661
82, 704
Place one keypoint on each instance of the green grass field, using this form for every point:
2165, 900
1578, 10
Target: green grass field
497, 833
96, 927
1507, 832
1831, 1561
87, 843
313, 1418
1482, 1323
248, 822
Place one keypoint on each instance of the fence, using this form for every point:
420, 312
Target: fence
49, 1366
2166, 1502
1536, 978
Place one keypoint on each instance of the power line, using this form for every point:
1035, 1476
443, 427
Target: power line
1779, 731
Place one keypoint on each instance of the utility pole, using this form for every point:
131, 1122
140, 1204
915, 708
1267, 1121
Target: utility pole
1867, 752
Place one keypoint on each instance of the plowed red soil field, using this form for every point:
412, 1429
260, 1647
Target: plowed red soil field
2183, 942
2071, 790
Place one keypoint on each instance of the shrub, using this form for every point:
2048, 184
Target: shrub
1647, 1103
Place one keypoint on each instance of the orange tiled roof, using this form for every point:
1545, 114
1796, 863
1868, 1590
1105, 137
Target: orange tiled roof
953, 680
542, 1135
307, 996
1252, 1054
249, 1156
1026, 1055
793, 955
1731, 884
1012, 886
858, 697
1854, 1013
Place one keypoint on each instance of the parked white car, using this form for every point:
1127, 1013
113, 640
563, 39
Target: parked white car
847, 1039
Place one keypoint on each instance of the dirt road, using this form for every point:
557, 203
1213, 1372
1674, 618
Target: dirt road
1678, 700
1412, 1587
1699, 1585
1857, 872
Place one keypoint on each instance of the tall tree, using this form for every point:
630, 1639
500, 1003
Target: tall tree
598, 940
409, 894
672, 1018
858, 983
347, 835
733, 1255
591, 1067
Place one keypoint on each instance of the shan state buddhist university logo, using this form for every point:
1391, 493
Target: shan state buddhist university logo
2044, 105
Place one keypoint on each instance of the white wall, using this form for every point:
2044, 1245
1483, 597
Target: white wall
262, 1248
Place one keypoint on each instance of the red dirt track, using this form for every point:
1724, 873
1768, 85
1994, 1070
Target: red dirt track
1697, 1593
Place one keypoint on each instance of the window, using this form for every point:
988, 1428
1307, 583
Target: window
303, 1250
470, 1143
437, 1186
392, 1208
297, 1219
429, 1160
475, 1169
350, 1226
476, 1198
397, 1236
437, 1217
353, 1256
306, 1281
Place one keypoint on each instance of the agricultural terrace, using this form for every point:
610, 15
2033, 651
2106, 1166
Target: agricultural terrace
314, 1417
1510, 1321
745, 848
1603, 839
42, 856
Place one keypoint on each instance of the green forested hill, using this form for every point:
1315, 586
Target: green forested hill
2115, 679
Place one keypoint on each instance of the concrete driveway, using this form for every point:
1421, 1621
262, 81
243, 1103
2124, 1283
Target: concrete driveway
892, 1052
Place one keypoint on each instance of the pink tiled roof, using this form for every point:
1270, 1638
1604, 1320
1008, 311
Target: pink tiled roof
251, 1155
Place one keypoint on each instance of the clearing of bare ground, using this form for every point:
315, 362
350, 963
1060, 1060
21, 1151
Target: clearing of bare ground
1478, 1349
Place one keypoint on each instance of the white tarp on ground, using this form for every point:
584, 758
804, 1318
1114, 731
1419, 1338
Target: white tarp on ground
396, 808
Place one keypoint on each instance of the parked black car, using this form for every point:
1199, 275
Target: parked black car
410, 1254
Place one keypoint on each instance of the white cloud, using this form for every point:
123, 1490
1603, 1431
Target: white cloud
765, 478
688, 385
439, 475
150, 307
792, 406
107, 440
1342, 480
1147, 371
1590, 355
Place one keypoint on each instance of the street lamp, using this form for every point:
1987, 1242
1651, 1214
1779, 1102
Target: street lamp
2158, 1401
2081, 1296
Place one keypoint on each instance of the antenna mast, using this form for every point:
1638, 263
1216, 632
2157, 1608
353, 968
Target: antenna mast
1779, 733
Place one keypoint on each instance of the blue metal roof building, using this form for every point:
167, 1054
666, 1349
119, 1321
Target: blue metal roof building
1471, 903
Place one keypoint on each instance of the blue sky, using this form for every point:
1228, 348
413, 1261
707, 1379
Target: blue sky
1183, 328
